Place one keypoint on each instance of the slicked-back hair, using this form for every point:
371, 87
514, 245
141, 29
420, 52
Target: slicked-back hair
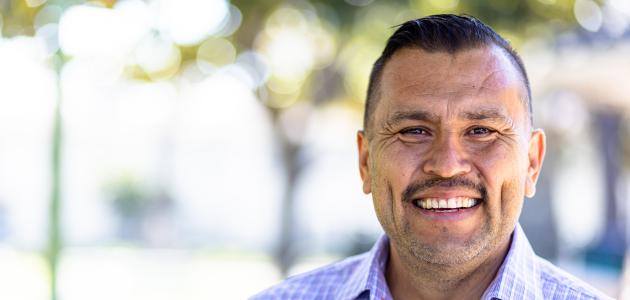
440, 33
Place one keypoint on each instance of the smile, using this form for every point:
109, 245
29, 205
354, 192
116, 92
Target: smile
446, 204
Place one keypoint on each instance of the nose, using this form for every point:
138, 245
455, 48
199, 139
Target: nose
447, 159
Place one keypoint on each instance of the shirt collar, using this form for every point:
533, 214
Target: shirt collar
518, 273
369, 275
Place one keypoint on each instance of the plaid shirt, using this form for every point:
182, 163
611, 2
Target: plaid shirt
523, 275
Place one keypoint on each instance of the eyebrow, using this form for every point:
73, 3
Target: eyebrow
416, 115
490, 114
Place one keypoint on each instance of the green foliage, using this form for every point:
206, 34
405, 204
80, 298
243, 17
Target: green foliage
129, 197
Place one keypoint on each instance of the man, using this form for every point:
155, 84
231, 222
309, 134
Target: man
448, 152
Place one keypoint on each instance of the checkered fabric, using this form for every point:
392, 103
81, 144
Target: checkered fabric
523, 275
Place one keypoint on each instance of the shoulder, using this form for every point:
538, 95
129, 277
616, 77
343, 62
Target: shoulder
558, 284
321, 283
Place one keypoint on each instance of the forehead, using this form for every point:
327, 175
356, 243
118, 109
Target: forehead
475, 77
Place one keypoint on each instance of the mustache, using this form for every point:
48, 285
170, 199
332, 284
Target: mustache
419, 186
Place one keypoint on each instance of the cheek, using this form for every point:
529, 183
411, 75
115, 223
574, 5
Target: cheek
504, 173
398, 165
392, 171
501, 165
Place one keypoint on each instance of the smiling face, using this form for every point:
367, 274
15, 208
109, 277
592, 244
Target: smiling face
450, 154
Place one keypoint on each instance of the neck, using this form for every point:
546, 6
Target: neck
421, 280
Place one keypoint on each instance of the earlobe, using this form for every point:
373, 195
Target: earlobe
363, 146
536, 155
530, 189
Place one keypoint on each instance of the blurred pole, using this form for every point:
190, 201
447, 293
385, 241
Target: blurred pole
610, 249
54, 212
286, 253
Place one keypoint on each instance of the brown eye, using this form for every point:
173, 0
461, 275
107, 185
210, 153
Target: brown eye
480, 131
414, 131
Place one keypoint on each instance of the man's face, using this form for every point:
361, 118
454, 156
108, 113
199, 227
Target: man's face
450, 130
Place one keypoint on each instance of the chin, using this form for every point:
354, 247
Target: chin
452, 252
446, 254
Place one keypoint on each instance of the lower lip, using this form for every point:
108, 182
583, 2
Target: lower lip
454, 214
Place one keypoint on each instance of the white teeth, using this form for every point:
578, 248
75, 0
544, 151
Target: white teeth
452, 203
443, 203
457, 202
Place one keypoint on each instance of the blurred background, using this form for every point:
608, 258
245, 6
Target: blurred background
205, 149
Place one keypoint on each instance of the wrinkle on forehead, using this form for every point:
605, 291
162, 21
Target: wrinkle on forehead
489, 76
451, 77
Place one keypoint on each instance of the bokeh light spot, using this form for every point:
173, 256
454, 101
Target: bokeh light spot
232, 23
189, 21
291, 54
216, 52
255, 65
158, 57
286, 17
588, 14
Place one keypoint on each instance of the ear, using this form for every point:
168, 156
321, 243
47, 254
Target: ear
364, 154
536, 154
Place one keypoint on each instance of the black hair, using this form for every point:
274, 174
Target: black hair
445, 32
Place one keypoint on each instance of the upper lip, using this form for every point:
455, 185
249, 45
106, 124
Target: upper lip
447, 194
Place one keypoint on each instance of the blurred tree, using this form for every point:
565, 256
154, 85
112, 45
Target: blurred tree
359, 30
609, 249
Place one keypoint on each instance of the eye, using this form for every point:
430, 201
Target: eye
480, 131
414, 131
414, 135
